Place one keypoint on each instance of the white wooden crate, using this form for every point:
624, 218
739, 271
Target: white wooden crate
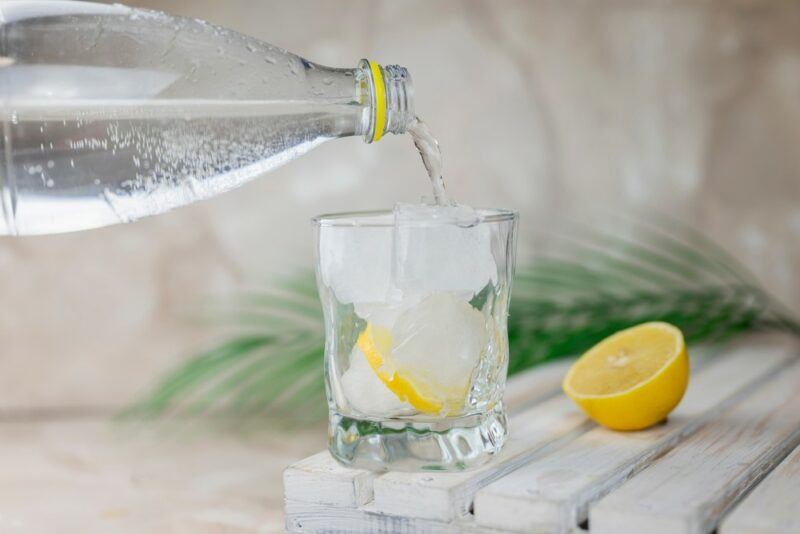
739, 420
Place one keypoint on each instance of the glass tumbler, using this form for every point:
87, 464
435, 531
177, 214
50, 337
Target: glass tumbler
416, 350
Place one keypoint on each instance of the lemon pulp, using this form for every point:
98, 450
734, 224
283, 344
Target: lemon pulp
632, 379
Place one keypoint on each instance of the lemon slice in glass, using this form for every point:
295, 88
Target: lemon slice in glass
376, 344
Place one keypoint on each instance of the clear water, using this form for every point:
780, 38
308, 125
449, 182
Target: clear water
79, 165
431, 154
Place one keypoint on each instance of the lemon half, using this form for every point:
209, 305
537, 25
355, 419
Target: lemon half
632, 379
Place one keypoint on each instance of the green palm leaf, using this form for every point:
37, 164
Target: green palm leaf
588, 286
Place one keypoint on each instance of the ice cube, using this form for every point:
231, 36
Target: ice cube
385, 313
366, 393
381, 313
440, 341
429, 212
441, 248
356, 263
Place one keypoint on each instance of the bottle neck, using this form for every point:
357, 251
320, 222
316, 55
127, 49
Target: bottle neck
389, 94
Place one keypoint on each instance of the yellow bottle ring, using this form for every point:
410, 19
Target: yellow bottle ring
379, 91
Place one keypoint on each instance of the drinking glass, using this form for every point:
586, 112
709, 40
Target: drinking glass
416, 350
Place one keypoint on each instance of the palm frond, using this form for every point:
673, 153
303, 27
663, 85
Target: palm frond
589, 285
275, 362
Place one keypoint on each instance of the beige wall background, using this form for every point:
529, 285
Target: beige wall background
549, 107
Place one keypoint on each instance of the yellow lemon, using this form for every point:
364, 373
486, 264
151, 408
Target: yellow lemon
632, 379
376, 344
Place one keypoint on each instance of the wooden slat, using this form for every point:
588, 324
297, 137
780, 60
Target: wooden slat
447, 496
312, 518
320, 479
308, 518
553, 492
774, 505
692, 486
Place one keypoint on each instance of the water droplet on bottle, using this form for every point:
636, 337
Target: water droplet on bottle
51, 164
327, 81
250, 47
50, 182
271, 60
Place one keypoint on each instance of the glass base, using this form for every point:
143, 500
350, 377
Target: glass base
451, 444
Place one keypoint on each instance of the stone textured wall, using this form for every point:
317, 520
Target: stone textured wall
688, 107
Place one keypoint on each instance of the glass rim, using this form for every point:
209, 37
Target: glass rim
360, 219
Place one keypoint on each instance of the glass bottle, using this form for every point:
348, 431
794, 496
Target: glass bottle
110, 113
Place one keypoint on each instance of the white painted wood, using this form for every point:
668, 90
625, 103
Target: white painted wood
304, 517
692, 486
309, 518
320, 518
553, 492
447, 496
774, 505
320, 479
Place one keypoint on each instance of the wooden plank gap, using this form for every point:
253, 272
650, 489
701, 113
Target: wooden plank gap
773, 506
